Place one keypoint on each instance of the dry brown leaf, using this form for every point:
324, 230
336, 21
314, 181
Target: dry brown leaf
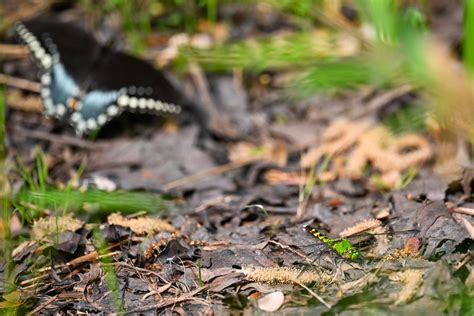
141, 225
352, 145
338, 137
54, 225
276, 152
412, 280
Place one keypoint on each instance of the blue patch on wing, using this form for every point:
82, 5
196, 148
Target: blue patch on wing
62, 85
96, 103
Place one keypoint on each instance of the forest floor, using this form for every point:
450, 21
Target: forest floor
157, 215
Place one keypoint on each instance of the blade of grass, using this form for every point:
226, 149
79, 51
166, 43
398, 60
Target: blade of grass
468, 42
109, 272
95, 201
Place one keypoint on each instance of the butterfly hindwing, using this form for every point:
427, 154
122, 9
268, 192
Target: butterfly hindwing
89, 84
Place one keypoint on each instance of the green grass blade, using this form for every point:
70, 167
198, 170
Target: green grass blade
97, 202
468, 43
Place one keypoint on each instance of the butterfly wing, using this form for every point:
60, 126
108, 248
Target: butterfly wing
92, 83
76, 49
144, 87
57, 88
96, 108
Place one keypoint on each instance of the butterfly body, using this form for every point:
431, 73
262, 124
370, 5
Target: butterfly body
88, 84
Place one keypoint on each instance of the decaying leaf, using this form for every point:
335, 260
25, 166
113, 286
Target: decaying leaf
411, 280
244, 151
338, 137
140, 225
54, 225
363, 143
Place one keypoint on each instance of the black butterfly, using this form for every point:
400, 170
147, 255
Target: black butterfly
87, 83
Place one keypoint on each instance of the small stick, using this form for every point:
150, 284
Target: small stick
13, 51
319, 298
465, 222
169, 301
59, 139
464, 210
20, 83
72, 295
209, 172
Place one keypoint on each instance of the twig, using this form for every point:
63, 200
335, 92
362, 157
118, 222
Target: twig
465, 222
24, 12
72, 295
86, 258
319, 298
58, 139
466, 259
13, 50
169, 301
20, 83
384, 98
286, 247
464, 210
217, 123
209, 172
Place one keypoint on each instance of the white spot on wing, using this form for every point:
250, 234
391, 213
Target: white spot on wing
81, 126
102, 119
45, 92
133, 103
76, 117
112, 110
61, 110
142, 103
48, 106
47, 61
150, 103
46, 79
123, 100
91, 124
